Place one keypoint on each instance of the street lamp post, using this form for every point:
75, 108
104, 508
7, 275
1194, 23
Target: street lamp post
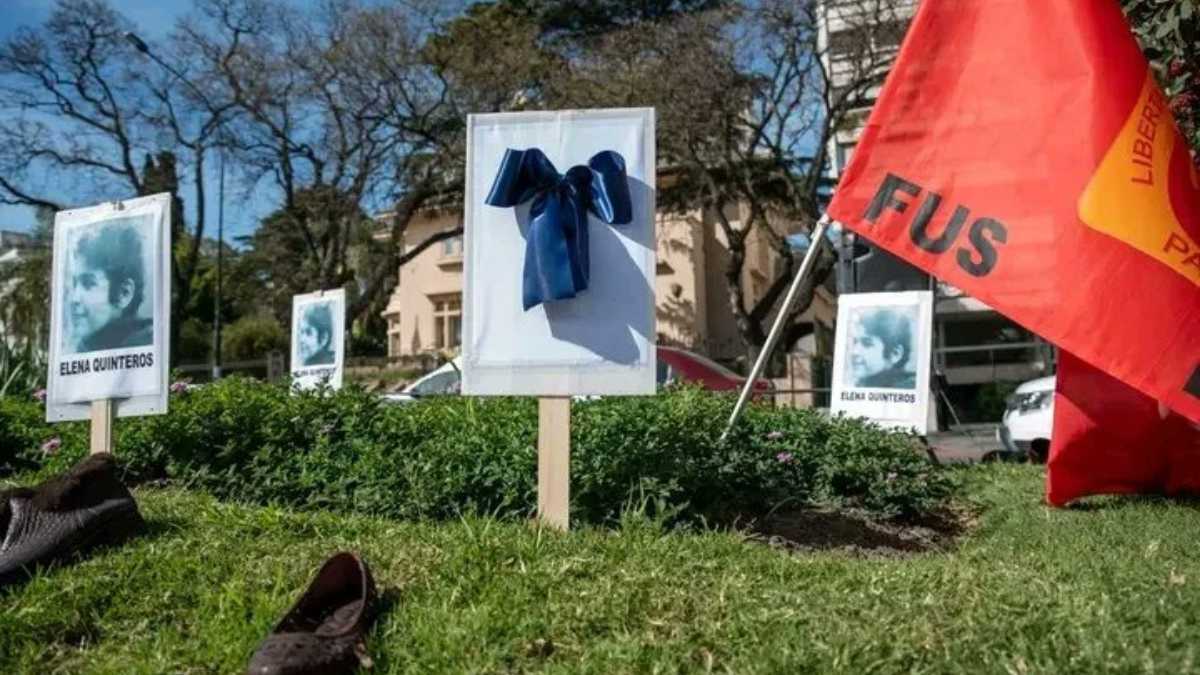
216, 367
144, 48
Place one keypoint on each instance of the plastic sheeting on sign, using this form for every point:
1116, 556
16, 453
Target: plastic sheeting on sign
318, 338
600, 342
881, 359
110, 308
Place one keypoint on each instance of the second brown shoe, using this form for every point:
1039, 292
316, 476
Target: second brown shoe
325, 632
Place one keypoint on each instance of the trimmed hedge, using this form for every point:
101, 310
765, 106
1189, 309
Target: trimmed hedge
240, 439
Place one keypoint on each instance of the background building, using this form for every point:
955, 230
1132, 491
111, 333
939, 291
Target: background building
13, 246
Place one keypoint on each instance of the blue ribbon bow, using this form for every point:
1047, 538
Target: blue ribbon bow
556, 248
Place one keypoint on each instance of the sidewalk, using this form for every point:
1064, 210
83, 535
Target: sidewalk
964, 444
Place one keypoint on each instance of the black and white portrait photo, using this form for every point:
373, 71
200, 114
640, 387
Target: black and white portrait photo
881, 348
318, 324
108, 291
316, 335
110, 308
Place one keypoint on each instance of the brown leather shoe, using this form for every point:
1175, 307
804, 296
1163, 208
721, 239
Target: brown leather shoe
65, 516
325, 632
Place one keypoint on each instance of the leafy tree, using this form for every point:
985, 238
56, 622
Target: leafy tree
81, 111
251, 337
1169, 31
746, 102
576, 19
195, 341
239, 297
335, 110
285, 261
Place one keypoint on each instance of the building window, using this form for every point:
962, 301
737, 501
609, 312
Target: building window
846, 43
447, 321
890, 34
452, 253
860, 97
844, 151
860, 41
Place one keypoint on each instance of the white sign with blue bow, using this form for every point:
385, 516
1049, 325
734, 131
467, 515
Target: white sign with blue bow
560, 253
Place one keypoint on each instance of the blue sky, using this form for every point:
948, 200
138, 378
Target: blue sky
154, 19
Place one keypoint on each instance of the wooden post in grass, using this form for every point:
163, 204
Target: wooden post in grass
103, 414
554, 461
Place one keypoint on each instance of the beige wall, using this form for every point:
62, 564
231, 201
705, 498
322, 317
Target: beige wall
680, 281
723, 339
690, 289
434, 275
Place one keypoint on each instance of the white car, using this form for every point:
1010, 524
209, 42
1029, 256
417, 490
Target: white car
445, 380
1028, 420
674, 365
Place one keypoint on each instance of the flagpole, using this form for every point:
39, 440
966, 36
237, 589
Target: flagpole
810, 257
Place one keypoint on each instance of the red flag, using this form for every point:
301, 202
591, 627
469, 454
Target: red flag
1021, 150
1110, 438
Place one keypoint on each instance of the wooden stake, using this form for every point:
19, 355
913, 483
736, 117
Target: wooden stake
554, 462
102, 424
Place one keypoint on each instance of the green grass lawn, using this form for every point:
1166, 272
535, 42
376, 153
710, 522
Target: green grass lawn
1111, 588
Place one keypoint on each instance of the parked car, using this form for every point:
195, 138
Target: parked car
674, 365
681, 365
1028, 419
445, 380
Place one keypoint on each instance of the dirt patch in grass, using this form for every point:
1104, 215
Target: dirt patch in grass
858, 533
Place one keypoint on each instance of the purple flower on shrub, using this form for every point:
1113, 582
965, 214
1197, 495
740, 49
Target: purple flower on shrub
180, 386
784, 458
891, 477
51, 446
774, 435
40, 395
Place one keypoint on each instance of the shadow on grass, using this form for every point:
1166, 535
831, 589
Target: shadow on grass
389, 597
388, 600
154, 528
1115, 502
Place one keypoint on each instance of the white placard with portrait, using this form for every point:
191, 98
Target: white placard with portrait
600, 342
318, 331
110, 309
881, 358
